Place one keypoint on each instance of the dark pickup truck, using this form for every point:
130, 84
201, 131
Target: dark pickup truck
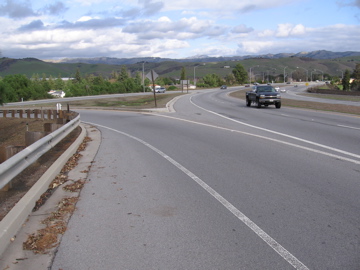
263, 95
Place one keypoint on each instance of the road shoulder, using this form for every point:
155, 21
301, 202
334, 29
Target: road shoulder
15, 257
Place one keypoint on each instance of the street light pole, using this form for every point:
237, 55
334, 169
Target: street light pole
194, 76
143, 74
250, 71
284, 73
322, 74
342, 73
307, 73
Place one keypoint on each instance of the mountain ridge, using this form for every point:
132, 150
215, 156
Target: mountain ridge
320, 54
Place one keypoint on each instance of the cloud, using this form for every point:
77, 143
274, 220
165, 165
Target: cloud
311, 38
17, 10
241, 29
285, 30
185, 28
146, 8
243, 6
344, 3
91, 23
34, 25
55, 9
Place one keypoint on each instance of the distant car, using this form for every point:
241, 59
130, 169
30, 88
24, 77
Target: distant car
160, 90
283, 90
247, 85
223, 87
277, 88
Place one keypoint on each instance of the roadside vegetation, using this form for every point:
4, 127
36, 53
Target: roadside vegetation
18, 87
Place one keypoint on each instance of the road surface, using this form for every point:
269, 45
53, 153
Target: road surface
218, 185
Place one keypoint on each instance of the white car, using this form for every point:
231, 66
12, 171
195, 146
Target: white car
277, 88
160, 90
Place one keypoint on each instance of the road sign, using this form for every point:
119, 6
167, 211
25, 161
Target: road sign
154, 74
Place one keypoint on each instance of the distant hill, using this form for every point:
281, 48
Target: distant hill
333, 63
322, 54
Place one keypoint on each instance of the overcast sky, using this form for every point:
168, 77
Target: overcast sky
48, 29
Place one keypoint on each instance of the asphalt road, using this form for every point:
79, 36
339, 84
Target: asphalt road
218, 185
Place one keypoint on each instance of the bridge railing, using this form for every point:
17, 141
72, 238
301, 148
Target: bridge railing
11, 167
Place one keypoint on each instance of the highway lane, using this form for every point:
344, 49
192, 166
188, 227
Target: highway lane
217, 185
320, 129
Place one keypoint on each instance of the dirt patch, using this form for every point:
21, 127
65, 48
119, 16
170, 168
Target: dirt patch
12, 130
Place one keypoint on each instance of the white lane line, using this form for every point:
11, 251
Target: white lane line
279, 133
285, 254
348, 127
265, 138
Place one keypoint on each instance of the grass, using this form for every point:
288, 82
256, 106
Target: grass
334, 97
126, 102
147, 102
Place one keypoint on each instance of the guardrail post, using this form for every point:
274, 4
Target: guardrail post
51, 127
13, 113
28, 112
7, 152
21, 113
4, 113
48, 114
36, 114
33, 136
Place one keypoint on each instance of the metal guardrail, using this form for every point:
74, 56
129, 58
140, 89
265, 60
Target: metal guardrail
17, 163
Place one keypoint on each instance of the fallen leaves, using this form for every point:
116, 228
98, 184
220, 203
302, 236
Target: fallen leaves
47, 237
56, 223
74, 187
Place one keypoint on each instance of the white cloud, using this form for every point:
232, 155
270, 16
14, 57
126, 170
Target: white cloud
132, 28
254, 47
286, 30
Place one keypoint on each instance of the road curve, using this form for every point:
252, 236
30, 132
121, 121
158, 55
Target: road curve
218, 185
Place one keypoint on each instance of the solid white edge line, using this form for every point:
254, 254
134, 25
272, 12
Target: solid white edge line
285, 254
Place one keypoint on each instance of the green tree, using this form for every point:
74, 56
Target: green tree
17, 87
3, 97
212, 80
356, 74
59, 83
77, 76
355, 85
124, 75
346, 80
240, 74
230, 79
183, 74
